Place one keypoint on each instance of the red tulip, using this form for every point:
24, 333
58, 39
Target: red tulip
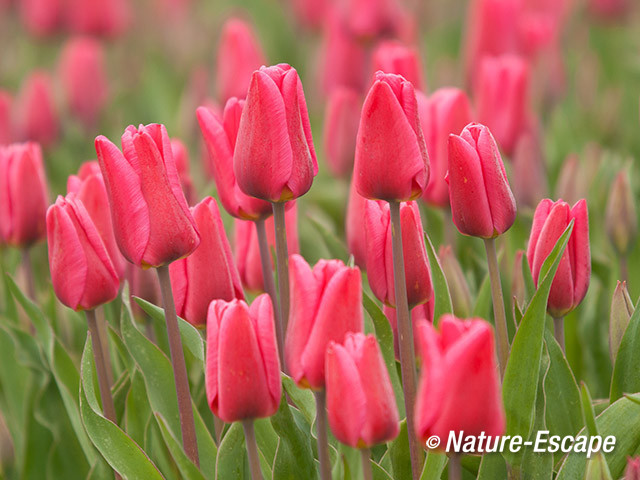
380, 254
445, 112
274, 158
574, 272
97, 17
82, 274
88, 187
341, 129
326, 304
632, 472
220, 134
83, 78
247, 249
391, 156
242, 367
459, 390
310, 13
239, 54
481, 200
392, 56
23, 194
36, 115
418, 313
502, 98
372, 18
529, 172
209, 272
41, 17
6, 122
151, 219
361, 405
181, 157
354, 228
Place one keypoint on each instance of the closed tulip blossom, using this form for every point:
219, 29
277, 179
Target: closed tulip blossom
95, 17
458, 364
35, 111
209, 273
6, 121
41, 17
181, 157
354, 226
341, 129
392, 56
368, 19
632, 472
310, 14
621, 220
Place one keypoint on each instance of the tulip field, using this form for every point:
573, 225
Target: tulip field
319, 239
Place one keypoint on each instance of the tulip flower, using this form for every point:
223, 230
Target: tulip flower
6, 122
90, 189
458, 364
391, 160
418, 313
445, 112
83, 78
36, 115
310, 14
41, 17
361, 404
380, 259
529, 172
96, 17
341, 129
571, 281
632, 472
239, 54
209, 273
502, 97
369, 19
621, 220
622, 309
354, 226
181, 157
458, 286
392, 56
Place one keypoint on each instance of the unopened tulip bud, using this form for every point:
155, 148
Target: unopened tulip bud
354, 226
96, 17
181, 157
341, 130
621, 220
369, 19
632, 472
529, 172
457, 282
36, 115
391, 56
310, 14
621, 311
41, 17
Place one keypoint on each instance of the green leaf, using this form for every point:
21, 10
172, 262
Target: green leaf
399, 453
484, 302
492, 467
335, 246
232, 461
137, 412
40, 323
442, 295
187, 469
379, 473
626, 371
434, 465
301, 397
587, 410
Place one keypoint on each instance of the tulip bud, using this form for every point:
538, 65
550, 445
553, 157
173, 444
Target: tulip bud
458, 286
391, 155
621, 310
247, 248
341, 129
621, 220
275, 115
310, 14
242, 365
41, 17
571, 282
219, 133
96, 17
151, 219
391, 56
354, 228
445, 112
83, 78
326, 304
82, 274
369, 19
23, 194
380, 259
502, 97
239, 54
529, 173
632, 472
418, 313
361, 405
181, 157
481, 200
458, 364
36, 116
6, 123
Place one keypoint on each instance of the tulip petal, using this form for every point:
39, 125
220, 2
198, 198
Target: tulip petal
376, 225
579, 248
261, 312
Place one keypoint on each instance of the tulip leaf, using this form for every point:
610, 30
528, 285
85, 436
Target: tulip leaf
379, 473
492, 466
118, 449
484, 302
301, 397
36, 316
399, 453
335, 246
187, 468
434, 465
232, 462
587, 410
520, 382
137, 413
626, 371
442, 296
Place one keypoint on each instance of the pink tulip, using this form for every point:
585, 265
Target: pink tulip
459, 390
326, 304
97, 17
502, 98
632, 472
181, 157
392, 56
341, 123
369, 19
219, 133
41, 17
23, 194
151, 219
239, 54
242, 366
481, 200
574, 272
391, 156
209, 273
88, 187
274, 158
445, 112
418, 313
354, 228
36, 115
247, 249
361, 404
6, 122
82, 274
380, 254
83, 78
529, 172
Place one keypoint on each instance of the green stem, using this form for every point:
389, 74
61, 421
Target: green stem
365, 456
252, 449
323, 442
558, 330
282, 260
502, 337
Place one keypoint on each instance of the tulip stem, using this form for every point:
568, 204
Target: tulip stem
187, 423
269, 283
28, 273
252, 449
365, 455
455, 468
282, 260
502, 337
323, 441
405, 337
558, 330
